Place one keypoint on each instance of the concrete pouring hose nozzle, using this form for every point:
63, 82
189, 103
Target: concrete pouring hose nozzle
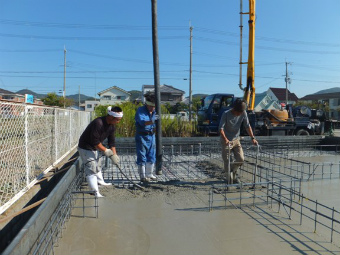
132, 182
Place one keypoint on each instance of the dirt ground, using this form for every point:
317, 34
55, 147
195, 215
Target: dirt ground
174, 218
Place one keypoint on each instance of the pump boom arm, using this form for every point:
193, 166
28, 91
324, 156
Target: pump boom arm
249, 90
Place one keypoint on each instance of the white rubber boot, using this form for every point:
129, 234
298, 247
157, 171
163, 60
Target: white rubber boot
100, 179
149, 171
92, 182
141, 170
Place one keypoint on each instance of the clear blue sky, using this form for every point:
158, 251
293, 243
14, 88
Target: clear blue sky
109, 43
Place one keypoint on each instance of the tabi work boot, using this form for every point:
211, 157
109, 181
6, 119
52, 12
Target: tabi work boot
141, 171
236, 179
149, 171
93, 184
100, 179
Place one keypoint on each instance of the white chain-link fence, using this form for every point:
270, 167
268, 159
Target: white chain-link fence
32, 140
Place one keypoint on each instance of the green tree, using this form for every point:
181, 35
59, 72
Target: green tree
196, 102
52, 99
68, 101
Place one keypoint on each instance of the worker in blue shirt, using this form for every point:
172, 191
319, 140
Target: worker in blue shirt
145, 138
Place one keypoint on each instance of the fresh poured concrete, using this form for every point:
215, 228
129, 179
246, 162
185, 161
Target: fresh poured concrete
172, 217
175, 220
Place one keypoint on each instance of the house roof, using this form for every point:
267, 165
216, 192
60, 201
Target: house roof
321, 96
165, 89
3, 91
113, 87
280, 93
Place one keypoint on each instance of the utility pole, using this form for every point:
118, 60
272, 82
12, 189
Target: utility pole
159, 154
79, 98
64, 93
190, 76
287, 80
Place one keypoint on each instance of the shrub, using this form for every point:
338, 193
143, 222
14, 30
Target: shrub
127, 128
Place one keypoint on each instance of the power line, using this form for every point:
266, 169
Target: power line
89, 38
130, 27
86, 77
31, 51
84, 26
115, 71
270, 39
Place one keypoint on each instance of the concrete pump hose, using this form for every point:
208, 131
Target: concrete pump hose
132, 182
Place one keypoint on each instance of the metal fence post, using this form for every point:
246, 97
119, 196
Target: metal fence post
26, 146
55, 134
70, 131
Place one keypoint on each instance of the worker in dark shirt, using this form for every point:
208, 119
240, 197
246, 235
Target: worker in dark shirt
91, 144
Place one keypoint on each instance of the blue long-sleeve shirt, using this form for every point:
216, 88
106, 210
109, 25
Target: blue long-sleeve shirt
143, 115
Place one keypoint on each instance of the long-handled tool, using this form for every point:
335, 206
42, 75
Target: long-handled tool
132, 182
255, 169
229, 177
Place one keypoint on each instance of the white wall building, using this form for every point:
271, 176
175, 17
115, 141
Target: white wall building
111, 96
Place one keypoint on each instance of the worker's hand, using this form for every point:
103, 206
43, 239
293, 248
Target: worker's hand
255, 142
156, 117
108, 153
226, 141
115, 159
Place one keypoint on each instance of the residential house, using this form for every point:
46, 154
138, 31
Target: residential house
332, 100
169, 94
264, 102
10, 110
90, 105
279, 95
6, 95
111, 96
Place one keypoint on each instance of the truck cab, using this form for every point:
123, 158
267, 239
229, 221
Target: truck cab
210, 112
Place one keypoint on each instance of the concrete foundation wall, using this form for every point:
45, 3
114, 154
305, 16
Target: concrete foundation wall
27, 237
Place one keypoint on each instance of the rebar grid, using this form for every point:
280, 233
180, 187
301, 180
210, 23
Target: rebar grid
276, 189
180, 163
32, 140
278, 165
53, 230
277, 195
270, 177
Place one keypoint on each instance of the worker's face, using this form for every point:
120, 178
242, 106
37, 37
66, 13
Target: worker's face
150, 108
237, 113
113, 120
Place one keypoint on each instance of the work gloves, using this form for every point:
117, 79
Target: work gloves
156, 117
108, 153
114, 157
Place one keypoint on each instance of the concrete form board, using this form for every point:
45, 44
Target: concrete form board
25, 240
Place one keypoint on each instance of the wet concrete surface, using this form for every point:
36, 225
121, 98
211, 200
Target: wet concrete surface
174, 219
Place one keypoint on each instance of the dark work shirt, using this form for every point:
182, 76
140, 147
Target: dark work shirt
95, 133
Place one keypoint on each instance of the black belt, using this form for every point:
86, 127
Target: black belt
146, 133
